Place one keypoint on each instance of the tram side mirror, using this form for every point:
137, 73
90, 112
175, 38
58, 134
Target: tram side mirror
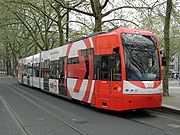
116, 50
163, 61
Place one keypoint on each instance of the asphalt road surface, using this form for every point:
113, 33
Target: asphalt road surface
30, 111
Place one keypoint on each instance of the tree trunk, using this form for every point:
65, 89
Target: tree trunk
167, 48
98, 24
67, 25
7, 67
60, 28
59, 24
4, 62
97, 11
10, 67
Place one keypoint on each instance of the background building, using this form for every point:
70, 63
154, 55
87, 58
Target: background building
174, 67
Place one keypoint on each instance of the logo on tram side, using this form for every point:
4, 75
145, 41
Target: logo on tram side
148, 85
53, 85
80, 89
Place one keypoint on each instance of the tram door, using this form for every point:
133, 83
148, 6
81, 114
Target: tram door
46, 74
103, 75
108, 72
62, 90
29, 75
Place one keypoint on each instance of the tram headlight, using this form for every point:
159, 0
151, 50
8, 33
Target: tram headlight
118, 88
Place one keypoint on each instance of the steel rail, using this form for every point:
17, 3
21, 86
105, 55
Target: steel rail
47, 111
14, 116
160, 116
151, 125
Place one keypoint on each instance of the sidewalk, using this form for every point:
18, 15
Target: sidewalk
172, 102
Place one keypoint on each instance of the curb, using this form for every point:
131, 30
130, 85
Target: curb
170, 108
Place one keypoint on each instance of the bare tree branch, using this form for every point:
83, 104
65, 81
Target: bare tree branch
118, 19
118, 8
81, 23
71, 8
40, 11
105, 4
93, 7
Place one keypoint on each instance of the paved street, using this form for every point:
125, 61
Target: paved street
28, 111
173, 101
174, 86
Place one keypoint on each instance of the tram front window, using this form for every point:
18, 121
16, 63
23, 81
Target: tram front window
141, 57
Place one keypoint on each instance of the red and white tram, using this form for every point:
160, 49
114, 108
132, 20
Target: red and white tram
117, 70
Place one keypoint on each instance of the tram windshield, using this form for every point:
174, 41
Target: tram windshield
141, 57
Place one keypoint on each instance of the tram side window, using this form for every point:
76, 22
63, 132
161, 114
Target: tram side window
36, 70
74, 60
25, 70
61, 69
104, 68
29, 70
97, 66
101, 67
116, 68
54, 68
86, 53
45, 69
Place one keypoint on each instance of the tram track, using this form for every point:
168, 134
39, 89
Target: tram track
21, 93
151, 125
14, 117
164, 117
151, 114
